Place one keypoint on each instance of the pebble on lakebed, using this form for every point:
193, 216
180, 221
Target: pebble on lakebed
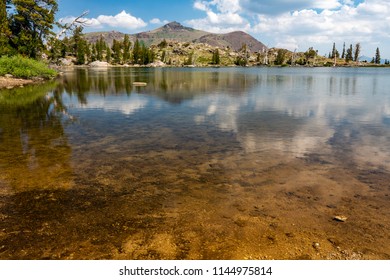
340, 218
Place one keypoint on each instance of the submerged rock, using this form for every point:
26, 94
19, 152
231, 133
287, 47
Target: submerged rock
340, 218
140, 84
316, 245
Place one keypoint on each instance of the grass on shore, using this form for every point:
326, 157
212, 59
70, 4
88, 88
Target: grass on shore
26, 68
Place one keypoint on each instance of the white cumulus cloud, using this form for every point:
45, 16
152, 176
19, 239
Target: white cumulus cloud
367, 23
158, 21
122, 20
222, 16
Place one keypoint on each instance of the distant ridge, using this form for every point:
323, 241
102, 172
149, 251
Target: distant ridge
174, 31
234, 40
171, 31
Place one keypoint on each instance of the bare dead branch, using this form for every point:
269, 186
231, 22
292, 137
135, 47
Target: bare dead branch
80, 20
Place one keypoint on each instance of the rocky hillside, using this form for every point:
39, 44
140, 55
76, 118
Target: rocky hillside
174, 31
109, 36
234, 40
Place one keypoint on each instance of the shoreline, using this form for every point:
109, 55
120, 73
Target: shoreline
10, 82
86, 66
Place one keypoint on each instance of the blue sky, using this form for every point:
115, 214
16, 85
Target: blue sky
297, 24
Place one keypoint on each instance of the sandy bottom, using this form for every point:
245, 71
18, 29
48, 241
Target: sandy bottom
190, 205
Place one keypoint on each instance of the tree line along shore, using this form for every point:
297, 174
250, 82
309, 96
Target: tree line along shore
29, 48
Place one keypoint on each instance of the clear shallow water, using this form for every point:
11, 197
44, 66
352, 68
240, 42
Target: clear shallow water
199, 164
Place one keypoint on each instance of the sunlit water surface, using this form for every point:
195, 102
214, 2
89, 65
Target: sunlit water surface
199, 164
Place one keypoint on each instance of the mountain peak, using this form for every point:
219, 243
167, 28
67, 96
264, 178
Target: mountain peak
174, 25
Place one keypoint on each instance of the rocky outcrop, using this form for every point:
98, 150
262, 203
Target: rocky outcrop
234, 40
99, 64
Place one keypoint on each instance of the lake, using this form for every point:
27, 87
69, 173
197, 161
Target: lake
213, 163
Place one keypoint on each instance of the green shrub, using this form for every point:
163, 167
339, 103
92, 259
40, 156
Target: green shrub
27, 68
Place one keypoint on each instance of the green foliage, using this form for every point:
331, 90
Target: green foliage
93, 53
5, 32
151, 56
335, 53
65, 48
31, 25
349, 54
116, 51
22, 67
100, 47
189, 60
88, 52
216, 59
145, 55
163, 56
328, 64
126, 49
81, 52
55, 49
141, 54
108, 55
357, 52
377, 56
300, 61
310, 53
136, 52
241, 61
343, 54
163, 44
79, 45
281, 57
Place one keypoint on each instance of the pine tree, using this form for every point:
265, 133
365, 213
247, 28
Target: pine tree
136, 52
55, 51
377, 56
343, 54
349, 54
357, 52
108, 54
116, 52
31, 25
126, 49
144, 54
88, 52
163, 55
189, 59
65, 46
79, 46
215, 59
334, 51
77, 36
280, 57
151, 55
100, 46
163, 44
5, 32
81, 51
93, 53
